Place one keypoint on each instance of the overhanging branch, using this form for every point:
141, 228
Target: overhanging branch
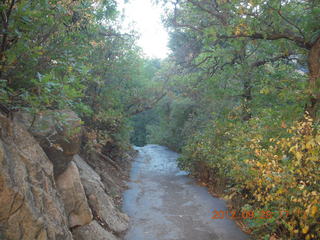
272, 36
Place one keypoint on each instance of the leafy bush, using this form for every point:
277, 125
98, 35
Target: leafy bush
279, 174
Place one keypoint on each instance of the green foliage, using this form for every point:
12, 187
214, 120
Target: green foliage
259, 161
170, 130
150, 81
73, 55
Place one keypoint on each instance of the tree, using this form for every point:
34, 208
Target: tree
291, 27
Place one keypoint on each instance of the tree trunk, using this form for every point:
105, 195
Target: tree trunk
314, 78
246, 99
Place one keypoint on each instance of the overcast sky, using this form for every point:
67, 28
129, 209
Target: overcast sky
147, 21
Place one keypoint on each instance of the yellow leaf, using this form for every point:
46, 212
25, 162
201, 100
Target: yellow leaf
292, 149
299, 155
310, 144
314, 210
305, 229
69, 69
314, 193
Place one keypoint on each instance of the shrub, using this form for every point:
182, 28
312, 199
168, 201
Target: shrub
279, 174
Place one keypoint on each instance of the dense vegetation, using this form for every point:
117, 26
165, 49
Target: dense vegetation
242, 104
73, 54
238, 96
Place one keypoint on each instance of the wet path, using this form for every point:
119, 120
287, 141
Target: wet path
164, 204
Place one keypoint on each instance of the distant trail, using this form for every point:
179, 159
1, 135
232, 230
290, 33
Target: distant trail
165, 204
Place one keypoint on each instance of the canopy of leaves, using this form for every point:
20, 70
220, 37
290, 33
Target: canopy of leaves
73, 54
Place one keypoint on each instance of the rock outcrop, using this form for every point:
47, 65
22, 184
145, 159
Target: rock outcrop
112, 173
73, 196
102, 205
48, 191
93, 231
58, 133
30, 208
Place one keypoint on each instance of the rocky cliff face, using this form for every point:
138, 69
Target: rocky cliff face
100, 202
47, 192
73, 196
57, 132
30, 207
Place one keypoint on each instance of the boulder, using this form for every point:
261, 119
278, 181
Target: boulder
73, 196
92, 231
58, 133
100, 202
30, 208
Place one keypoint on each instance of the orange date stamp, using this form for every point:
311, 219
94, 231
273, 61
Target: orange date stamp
250, 214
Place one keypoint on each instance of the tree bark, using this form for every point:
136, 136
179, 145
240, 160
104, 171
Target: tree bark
246, 99
314, 78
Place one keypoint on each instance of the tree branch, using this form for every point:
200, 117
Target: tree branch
272, 36
274, 59
286, 19
149, 106
216, 14
5, 19
182, 25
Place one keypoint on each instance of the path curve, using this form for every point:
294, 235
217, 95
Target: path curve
165, 204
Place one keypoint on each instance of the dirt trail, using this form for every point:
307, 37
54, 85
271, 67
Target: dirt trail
165, 204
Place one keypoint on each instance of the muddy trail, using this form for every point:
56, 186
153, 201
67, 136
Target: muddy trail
165, 204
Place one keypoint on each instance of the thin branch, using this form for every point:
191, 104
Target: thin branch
149, 106
5, 18
274, 59
201, 62
272, 36
287, 20
182, 25
216, 14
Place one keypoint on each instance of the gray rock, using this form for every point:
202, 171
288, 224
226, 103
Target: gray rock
73, 196
101, 204
92, 231
30, 208
58, 133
